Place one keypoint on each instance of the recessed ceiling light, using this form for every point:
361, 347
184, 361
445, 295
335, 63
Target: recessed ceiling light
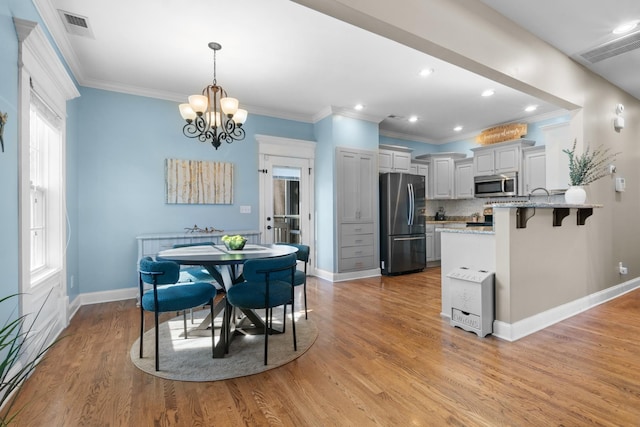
626, 27
426, 72
531, 108
488, 92
457, 128
413, 119
359, 107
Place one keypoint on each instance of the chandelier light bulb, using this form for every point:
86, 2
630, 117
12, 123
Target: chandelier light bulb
229, 106
240, 116
187, 112
198, 103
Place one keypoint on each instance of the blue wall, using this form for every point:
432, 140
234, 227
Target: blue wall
122, 143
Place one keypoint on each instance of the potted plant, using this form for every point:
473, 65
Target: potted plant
15, 364
585, 169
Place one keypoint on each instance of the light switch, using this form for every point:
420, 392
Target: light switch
245, 209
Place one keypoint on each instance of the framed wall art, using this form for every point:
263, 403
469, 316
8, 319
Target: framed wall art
199, 182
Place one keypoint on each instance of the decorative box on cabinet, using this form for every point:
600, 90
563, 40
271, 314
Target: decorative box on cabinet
472, 298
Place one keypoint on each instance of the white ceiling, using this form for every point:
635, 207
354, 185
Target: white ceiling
282, 59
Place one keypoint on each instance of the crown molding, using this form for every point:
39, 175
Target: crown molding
56, 28
407, 137
345, 112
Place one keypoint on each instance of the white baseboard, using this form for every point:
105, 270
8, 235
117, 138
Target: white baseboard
524, 327
105, 296
341, 277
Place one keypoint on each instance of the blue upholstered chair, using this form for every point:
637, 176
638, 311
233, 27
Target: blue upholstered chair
166, 295
268, 283
301, 276
196, 273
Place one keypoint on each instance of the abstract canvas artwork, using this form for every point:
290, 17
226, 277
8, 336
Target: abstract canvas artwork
199, 182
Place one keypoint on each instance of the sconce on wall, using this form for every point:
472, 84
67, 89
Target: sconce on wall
618, 122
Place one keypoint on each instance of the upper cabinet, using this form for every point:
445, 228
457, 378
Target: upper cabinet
442, 173
393, 158
464, 178
557, 137
498, 158
534, 169
422, 168
357, 193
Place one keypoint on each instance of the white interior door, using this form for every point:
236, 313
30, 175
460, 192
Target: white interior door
286, 213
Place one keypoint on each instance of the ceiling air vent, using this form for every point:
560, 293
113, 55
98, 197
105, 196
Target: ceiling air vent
76, 24
613, 48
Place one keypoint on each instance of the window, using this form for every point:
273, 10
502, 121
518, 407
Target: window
44, 183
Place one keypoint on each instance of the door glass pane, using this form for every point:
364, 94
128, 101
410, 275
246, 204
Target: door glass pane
286, 204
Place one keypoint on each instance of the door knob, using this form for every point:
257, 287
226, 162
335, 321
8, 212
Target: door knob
268, 227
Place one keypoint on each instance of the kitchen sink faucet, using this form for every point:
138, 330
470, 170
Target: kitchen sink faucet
543, 189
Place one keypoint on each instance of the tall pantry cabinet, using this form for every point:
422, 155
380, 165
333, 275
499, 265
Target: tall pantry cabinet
357, 214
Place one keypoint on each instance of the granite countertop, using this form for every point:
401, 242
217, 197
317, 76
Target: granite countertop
467, 230
542, 205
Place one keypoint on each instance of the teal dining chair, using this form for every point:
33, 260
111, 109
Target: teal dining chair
268, 284
167, 295
196, 273
300, 277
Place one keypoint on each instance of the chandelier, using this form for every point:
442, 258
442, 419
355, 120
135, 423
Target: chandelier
213, 116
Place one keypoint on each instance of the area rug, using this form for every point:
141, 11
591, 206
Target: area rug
190, 359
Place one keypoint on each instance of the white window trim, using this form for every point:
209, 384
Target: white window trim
40, 67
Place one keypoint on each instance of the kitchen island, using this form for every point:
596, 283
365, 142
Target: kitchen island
539, 253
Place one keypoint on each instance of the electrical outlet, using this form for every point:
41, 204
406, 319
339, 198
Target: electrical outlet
623, 270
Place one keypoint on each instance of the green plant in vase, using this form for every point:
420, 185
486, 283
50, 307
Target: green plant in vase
584, 169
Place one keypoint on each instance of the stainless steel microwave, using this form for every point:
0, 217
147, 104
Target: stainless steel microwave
505, 184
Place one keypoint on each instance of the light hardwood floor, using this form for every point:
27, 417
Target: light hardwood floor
383, 357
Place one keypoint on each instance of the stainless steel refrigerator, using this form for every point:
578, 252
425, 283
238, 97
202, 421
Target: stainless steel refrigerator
402, 233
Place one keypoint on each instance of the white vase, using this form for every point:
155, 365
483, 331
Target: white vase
575, 195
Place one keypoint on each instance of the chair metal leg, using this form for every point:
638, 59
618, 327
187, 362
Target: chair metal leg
266, 334
305, 299
141, 329
157, 342
293, 322
184, 317
213, 333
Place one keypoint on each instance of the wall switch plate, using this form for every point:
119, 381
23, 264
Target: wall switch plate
245, 209
620, 184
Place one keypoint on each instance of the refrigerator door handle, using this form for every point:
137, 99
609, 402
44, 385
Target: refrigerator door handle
409, 238
411, 203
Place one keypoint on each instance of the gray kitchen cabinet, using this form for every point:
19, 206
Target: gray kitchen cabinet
557, 137
430, 237
357, 176
534, 169
498, 158
422, 169
464, 178
442, 173
393, 158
